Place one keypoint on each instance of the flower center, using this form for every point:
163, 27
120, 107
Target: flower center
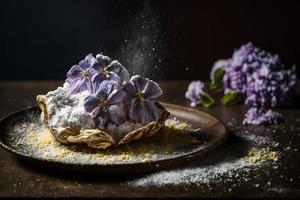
139, 95
105, 72
103, 103
85, 73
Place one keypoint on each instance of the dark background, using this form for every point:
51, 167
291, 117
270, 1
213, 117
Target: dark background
160, 39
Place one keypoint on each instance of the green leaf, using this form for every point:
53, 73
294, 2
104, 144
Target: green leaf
232, 98
206, 100
217, 79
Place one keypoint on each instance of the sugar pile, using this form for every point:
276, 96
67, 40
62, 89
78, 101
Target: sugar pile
196, 175
66, 110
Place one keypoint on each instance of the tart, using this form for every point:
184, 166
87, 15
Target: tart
101, 106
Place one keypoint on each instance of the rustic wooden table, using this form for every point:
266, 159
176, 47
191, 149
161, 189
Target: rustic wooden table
22, 179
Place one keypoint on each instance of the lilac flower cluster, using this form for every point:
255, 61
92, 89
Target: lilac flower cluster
258, 116
259, 75
114, 98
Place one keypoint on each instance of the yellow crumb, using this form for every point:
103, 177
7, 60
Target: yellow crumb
183, 126
174, 124
63, 153
31, 135
100, 156
125, 157
254, 156
146, 159
45, 139
273, 156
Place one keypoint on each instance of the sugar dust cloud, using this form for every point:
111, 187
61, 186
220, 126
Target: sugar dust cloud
143, 44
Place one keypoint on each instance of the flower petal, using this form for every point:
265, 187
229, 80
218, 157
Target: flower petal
78, 85
89, 85
116, 115
129, 88
90, 60
135, 110
115, 67
102, 61
152, 90
139, 82
116, 96
119, 69
105, 88
151, 107
124, 74
140, 113
91, 102
73, 73
95, 112
96, 82
114, 77
84, 64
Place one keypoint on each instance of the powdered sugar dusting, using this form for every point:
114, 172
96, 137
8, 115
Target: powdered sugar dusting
196, 175
235, 162
207, 172
66, 110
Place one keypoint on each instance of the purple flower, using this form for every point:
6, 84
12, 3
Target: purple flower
110, 70
141, 93
256, 116
234, 80
260, 76
104, 103
80, 76
194, 89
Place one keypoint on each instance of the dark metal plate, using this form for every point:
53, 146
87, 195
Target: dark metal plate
22, 134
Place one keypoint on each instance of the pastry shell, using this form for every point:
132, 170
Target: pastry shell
96, 138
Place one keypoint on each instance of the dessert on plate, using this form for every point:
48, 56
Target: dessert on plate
102, 106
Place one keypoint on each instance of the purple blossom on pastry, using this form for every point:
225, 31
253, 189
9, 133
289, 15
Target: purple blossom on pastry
194, 89
258, 116
141, 93
103, 104
110, 70
80, 76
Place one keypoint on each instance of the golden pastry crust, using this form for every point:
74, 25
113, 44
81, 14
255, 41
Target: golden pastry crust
96, 138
